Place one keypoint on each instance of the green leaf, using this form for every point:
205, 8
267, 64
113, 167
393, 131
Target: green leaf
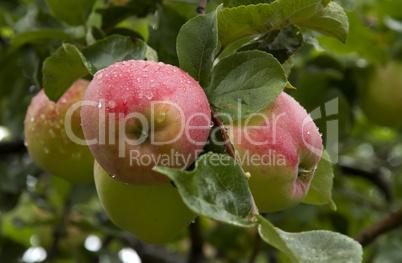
216, 188
280, 43
234, 3
73, 12
62, 68
37, 36
311, 246
245, 82
320, 192
196, 45
361, 40
112, 49
238, 22
332, 21
112, 15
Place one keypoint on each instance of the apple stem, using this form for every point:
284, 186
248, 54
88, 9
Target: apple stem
202, 4
229, 148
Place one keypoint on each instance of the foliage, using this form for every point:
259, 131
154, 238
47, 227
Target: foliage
244, 54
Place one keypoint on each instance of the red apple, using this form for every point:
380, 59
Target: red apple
280, 147
141, 114
53, 147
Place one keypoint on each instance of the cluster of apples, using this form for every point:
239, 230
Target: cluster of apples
137, 114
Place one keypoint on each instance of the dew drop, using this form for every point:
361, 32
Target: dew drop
161, 117
308, 132
52, 134
100, 75
100, 105
76, 156
149, 96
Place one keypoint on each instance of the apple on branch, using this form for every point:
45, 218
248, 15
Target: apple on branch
141, 114
49, 135
280, 147
153, 213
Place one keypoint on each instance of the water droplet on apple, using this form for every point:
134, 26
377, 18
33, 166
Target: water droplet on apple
32, 119
52, 134
211, 124
308, 132
183, 89
321, 134
161, 117
100, 75
149, 96
76, 156
100, 105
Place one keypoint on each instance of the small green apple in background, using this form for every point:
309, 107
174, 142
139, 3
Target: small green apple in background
381, 100
153, 213
280, 147
46, 138
141, 114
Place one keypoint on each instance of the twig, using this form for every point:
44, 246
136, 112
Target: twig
197, 243
152, 253
256, 249
59, 232
105, 243
202, 5
388, 223
373, 176
228, 146
12, 146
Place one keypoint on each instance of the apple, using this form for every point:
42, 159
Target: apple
152, 213
280, 147
47, 140
141, 114
381, 100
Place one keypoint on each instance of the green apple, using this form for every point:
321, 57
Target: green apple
141, 114
280, 147
48, 141
152, 213
381, 101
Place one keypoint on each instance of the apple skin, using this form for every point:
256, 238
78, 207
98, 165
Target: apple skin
283, 165
131, 87
152, 213
47, 141
381, 101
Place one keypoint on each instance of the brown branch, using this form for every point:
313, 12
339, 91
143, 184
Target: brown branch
60, 231
12, 146
152, 253
202, 5
228, 146
373, 176
197, 242
256, 249
387, 224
